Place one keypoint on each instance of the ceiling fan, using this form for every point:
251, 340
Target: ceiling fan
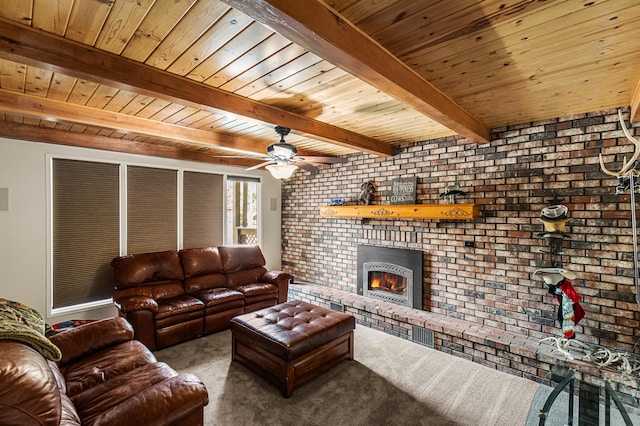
282, 159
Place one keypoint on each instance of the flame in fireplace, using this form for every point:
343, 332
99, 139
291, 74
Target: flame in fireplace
387, 281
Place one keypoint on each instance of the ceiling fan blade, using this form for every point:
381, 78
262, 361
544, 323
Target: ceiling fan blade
255, 157
326, 160
257, 166
306, 166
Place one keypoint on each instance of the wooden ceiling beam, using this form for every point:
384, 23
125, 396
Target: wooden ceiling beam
635, 105
49, 109
60, 137
320, 29
37, 48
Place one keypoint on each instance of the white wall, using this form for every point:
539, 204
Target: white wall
23, 229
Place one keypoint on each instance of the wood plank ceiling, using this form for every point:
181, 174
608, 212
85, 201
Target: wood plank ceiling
196, 79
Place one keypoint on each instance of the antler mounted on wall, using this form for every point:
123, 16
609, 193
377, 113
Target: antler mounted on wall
627, 166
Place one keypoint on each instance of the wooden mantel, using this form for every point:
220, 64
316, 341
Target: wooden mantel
404, 211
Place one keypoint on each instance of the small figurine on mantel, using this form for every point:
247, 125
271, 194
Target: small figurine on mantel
452, 191
367, 192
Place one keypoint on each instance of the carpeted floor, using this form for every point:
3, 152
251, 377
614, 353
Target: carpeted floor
391, 381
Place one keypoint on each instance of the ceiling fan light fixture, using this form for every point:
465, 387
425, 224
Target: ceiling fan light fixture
282, 150
281, 171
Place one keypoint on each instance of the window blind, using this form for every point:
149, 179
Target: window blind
152, 209
85, 231
202, 212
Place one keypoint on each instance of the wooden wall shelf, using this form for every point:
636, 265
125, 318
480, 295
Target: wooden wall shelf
406, 211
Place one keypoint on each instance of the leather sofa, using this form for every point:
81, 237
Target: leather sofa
172, 296
103, 378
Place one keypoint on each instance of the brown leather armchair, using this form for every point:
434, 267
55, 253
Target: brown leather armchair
104, 378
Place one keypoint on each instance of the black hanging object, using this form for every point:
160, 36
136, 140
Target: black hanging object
555, 200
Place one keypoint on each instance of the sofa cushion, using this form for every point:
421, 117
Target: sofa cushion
57, 374
244, 277
203, 282
147, 268
219, 296
258, 289
200, 261
240, 258
94, 336
105, 364
99, 398
155, 275
69, 414
165, 290
177, 306
174, 401
202, 269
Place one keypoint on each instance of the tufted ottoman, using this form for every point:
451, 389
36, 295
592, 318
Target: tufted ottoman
293, 342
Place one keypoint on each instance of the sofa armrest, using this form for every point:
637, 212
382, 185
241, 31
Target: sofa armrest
136, 303
276, 277
89, 338
165, 403
279, 279
29, 393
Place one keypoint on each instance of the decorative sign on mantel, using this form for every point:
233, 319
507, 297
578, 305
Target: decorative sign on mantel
403, 190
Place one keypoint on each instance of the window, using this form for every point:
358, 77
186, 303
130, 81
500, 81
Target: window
242, 210
85, 232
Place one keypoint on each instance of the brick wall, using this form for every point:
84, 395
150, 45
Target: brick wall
513, 177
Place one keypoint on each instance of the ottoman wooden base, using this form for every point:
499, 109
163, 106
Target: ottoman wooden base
291, 343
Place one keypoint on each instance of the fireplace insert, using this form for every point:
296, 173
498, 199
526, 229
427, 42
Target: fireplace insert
390, 274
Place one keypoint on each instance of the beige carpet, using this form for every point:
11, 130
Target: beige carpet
391, 382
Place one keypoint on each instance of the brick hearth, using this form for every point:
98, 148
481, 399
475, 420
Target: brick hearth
510, 352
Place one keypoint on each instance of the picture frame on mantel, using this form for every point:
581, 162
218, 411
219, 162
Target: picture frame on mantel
403, 190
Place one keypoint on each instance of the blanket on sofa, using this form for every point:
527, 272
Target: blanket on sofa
24, 324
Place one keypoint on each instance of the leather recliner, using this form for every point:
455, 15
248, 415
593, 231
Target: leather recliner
104, 378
